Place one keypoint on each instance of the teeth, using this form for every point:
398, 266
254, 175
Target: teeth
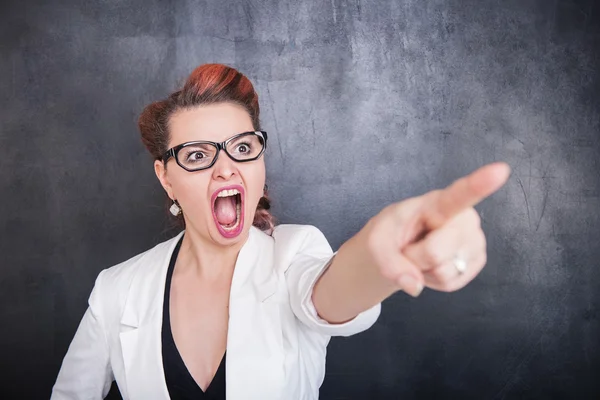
227, 193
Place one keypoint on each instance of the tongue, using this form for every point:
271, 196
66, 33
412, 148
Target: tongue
225, 210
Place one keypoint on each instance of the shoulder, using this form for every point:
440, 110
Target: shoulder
291, 237
114, 282
287, 234
148, 260
295, 242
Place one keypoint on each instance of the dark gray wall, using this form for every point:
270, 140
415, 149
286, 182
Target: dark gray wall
367, 103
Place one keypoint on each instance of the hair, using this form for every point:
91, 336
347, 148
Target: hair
207, 84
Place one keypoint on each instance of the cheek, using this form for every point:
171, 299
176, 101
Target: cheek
256, 183
192, 190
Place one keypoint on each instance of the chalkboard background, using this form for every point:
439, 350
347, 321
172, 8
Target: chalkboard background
366, 103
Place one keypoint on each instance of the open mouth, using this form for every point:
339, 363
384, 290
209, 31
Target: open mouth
228, 211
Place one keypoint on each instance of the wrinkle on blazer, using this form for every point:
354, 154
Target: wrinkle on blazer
276, 342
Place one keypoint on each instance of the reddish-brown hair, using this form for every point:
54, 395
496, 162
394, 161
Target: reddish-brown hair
207, 84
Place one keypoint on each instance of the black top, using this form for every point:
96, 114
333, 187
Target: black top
180, 383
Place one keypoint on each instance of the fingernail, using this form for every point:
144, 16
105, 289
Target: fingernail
410, 285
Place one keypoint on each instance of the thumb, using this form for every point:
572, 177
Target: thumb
411, 280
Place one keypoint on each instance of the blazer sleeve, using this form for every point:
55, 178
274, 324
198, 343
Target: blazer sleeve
311, 260
86, 372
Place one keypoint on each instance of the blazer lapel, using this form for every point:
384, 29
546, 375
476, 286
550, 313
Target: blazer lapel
141, 326
255, 363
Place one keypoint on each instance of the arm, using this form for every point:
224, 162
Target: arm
350, 285
306, 252
86, 372
410, 244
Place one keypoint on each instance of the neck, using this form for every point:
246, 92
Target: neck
208, 260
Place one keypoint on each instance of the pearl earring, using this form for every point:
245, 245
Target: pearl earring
175, 209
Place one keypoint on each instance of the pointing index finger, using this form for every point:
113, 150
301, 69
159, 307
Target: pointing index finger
464, 193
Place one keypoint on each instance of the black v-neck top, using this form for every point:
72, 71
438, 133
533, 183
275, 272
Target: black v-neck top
180, 383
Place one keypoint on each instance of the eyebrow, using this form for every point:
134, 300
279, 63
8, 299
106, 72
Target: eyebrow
220, 141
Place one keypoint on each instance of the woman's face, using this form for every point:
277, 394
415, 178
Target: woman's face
197, 191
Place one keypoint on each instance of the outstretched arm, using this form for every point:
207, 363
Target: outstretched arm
423, 241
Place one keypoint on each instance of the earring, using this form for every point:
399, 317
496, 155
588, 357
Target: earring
265, 188
175, 208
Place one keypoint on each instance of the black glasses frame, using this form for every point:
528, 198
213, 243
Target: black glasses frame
173, 151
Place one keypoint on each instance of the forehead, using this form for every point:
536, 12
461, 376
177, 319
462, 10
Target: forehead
214, 122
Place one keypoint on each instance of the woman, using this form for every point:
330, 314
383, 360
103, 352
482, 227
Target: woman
234, 304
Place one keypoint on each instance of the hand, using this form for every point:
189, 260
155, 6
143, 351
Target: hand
416, 242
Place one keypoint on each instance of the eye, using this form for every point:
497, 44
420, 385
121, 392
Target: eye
195, 156
243, 148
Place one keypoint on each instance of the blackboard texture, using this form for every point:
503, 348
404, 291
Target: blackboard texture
366, 102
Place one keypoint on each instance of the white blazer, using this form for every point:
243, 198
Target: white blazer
276, 342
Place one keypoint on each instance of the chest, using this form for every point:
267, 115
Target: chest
198, 309
198, 318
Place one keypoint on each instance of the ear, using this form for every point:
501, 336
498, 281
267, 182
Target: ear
161, 174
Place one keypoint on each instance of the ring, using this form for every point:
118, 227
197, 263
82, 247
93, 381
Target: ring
460, 265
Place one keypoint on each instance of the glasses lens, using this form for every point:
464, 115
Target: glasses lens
197, 156
246, 147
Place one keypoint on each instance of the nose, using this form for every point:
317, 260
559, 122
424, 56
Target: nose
224, 168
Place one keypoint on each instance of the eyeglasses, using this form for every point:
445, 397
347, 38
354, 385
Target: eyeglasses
199, 155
